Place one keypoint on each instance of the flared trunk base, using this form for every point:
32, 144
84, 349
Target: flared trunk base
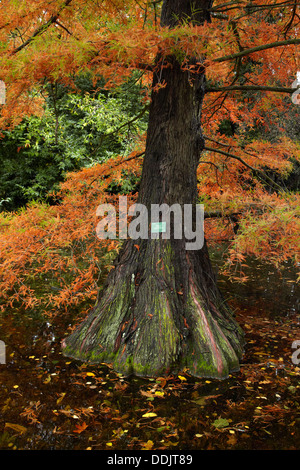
159, 314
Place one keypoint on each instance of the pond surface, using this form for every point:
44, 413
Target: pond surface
49, 402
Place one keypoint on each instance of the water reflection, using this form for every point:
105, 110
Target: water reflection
273, 292
51, 402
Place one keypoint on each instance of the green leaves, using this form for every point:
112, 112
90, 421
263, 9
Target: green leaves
75, 131
220, 423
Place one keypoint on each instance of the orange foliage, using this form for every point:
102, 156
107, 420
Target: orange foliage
50, 256
56, 40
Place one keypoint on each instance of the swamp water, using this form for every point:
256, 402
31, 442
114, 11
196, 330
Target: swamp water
49, 402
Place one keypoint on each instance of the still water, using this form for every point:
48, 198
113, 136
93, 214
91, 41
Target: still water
50, 402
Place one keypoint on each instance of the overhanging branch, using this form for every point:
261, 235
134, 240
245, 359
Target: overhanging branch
262, 47
263, 177
241, 5
250, 88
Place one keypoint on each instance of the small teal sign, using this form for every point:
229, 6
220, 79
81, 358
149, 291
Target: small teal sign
158, 227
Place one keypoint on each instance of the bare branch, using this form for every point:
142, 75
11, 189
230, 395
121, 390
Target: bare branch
262, 47
230, 155
250, 88
263, 176
64, 27
237, 5
294, 12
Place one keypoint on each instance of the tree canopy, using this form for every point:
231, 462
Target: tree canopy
246, 46
249, 52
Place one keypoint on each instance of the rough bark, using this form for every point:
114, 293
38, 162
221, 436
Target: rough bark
161, 310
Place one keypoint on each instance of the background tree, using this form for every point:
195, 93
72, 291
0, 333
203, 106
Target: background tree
75, 130
161, 309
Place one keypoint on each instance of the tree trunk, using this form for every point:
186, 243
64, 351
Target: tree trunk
161, 310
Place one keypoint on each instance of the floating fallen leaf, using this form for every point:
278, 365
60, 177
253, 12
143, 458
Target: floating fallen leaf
148, 445
161, 381
16, 427
220, 423
121, 386
232, 440
146, 393
80, 427
170, 443
61, 397
200, 401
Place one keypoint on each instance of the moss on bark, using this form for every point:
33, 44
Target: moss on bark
145, 325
